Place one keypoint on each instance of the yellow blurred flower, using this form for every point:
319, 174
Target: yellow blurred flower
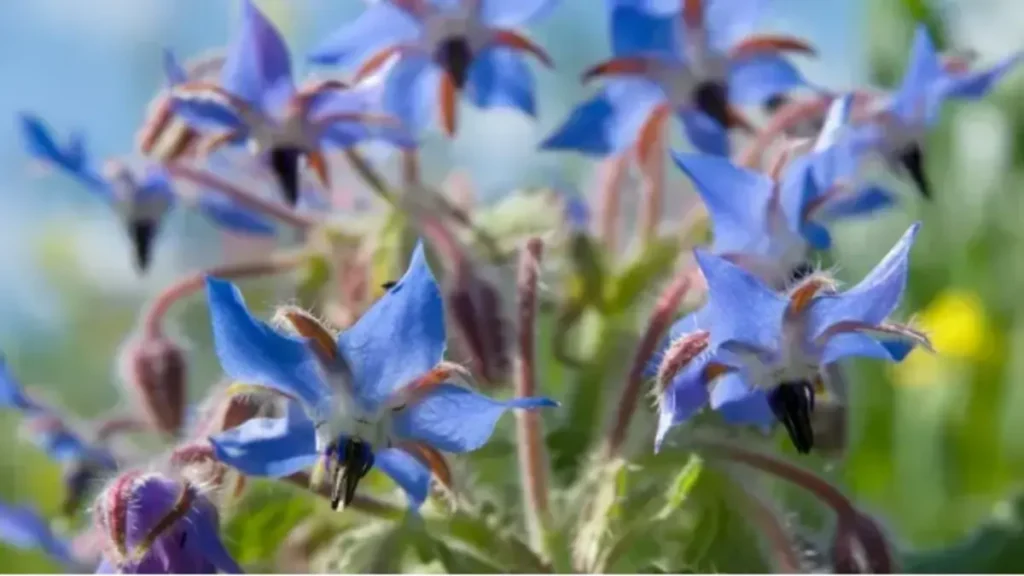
959, 330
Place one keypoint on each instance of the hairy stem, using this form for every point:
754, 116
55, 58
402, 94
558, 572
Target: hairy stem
529, 434
152, 321
782, 548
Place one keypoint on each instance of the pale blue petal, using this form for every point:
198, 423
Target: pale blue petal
864, 202
251, 352
410, 92
345, 134
258, 67
739, 403
514, 13
381, 25
704, 133
975, 85
741, 310
409, 473
500, 78
234, 218
728, 21
456, 419
173, 71
610, 122
401, 337
42, 145
12, 395
755, 79
202, 113
871, 301
923, 68
274, 447
737, 200
861, 345
835, 122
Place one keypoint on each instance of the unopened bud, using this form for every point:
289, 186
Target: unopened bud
154, 369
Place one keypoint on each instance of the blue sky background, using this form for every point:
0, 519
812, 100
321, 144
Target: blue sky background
94, 64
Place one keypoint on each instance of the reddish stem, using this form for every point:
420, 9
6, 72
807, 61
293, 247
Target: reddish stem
612, 177
789, 115
653, 190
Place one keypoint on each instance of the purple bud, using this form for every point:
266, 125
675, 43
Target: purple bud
155, 524
155, 370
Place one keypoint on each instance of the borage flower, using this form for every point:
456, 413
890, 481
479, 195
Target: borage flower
141, 194
23, 527
697, 63
757, 356
156, 524
768, 225
898, 127
442, 48
257, 102
377, 395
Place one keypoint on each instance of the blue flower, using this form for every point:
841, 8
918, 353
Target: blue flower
435, 49
141, 195
256, 101
757, 355
23, 527
696, 69
768, 226
377, 395
898, 128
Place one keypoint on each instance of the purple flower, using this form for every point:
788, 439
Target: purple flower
377, 395
898, 128
140, 194
693, 59
23, 527
257, 102
154, 524
757, 355
436, 49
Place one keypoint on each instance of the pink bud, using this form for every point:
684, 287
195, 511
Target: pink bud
154, 369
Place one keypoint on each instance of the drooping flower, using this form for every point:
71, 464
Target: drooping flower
768, 225
436, 49
23, 527
157, 524
141, 194
257, 102
757, 356
377, 395
695, 59
898, 126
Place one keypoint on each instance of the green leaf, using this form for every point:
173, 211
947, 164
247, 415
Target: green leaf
491, 540
312, 277
640, 276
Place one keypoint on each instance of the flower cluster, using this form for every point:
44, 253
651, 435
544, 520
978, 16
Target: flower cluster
399, 338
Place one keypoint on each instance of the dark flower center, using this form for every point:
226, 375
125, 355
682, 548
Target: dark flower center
712, 98
801, 271
143, 232
354, 459
285, 164
455, 56
912, 160
793, 403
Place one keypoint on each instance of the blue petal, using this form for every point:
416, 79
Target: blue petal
514, 13
72, 159
206, 113
796, 190
253, 353
923, 68
863, 202
11, 393
816, 235
232, 217
975, 85
871, 301
401, 337
274, 447
704, 133
173, 70
410, 92
645, 27
22, 527
686, 395
258, 67
610, 122
382, 24
499, 77
64, 446
858, 344
409, 473
741, 310
756, 79
736, 199
456, 419
836, 119
360, 99
728, 21
738, 403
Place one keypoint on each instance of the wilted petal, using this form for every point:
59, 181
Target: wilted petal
382, 24
252, 352
871, 301
258, 67
400, 337
610, 122
456, 419
274, 447
741, 310
409, 473
499, 78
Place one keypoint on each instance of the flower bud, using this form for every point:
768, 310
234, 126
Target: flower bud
155, 370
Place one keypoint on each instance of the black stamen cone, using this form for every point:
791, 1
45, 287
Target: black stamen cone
912, 160
285, 164
355, 459
792, 403
712, 98
143, 232
455, 56
775, 102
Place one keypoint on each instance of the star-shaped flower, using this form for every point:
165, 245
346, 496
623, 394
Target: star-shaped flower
757, 356
140, 193
377, 395
158, 524
696, 62
897, 128
257, 102
436, 49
